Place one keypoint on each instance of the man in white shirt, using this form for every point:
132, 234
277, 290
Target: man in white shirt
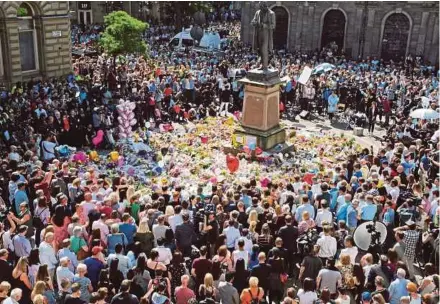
47, 254
232, 234
165, 255
350, 249
103, 228
175, 219
394, 190
63, 272
87, 204
327, 245
323, 215
288, 191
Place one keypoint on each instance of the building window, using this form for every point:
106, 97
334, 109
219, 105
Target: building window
27, 38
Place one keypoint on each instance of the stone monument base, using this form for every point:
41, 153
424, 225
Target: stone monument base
264, 139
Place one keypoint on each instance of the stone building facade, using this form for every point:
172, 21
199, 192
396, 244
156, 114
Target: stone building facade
389, 30
35, 40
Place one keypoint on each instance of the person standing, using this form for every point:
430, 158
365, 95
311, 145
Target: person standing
333, 101
410, 240
185, 235
262, 272
397, 288
372, 115
228, 294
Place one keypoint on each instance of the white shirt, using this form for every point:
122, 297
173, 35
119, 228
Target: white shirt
64, 273
247, 244
175, 220
394, 193
238, 254
284, 196
87, 206
232, 234
316, 189
7, 241
327, 246
165, 255
323, 215
47, 255
308, 297
352, 252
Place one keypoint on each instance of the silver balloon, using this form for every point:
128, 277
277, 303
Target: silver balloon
362, 237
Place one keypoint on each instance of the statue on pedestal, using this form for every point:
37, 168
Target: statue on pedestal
264, 23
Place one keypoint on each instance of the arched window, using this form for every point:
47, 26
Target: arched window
395, 37
333, 30
27, 38
281, 27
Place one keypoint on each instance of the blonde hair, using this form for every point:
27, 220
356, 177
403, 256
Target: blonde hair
48, 235
38, 299
252, 226
253, 282
143, 227
208, 281
5, 286
48, 229
169, 210
369, 258
39, 289
22, 264
253, 216
306, 216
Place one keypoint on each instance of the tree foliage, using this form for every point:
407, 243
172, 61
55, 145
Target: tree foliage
123, 34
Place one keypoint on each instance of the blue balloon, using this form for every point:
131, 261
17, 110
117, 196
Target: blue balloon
157, 170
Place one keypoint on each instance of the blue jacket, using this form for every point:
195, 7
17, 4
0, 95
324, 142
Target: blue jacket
333, 103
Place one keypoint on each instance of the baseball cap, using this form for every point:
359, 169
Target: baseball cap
96, 250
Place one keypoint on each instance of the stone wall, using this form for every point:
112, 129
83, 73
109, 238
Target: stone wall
306, 21
53, 43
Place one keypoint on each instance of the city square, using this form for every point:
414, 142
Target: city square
219, 152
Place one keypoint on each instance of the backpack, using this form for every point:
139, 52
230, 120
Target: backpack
36, 220
254, 300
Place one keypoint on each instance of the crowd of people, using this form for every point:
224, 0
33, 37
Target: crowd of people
73, 236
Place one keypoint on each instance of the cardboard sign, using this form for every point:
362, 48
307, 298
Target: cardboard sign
305, 75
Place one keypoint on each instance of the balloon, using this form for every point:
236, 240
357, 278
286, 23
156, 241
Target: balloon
93, 155
98, 138
114, 155
120, 120
232, 163
122, 135
246, 149
157, 171
133, 122
131, 116
258, 151
120, 161
80, 156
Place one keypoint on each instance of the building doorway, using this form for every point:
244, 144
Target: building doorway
333, 30
281, 32
85, 17
395, 37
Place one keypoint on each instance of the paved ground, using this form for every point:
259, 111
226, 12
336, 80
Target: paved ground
323, 123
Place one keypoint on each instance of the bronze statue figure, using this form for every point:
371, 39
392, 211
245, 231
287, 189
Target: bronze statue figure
264, 23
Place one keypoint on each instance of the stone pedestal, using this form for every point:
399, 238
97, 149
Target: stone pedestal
261, 114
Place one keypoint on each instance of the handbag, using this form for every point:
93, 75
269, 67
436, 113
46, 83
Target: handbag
284, 277
81, 254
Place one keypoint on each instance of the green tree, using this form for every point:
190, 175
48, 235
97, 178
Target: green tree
123, 35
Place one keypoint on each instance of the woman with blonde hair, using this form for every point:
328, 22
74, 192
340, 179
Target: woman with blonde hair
253, 216
306, 223
39, 289
20, 279
145, 237
252, 231
345, 267
169, 211
39, 299
253, 293
207, 289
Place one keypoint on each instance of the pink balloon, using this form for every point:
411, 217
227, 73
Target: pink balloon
98, 138
133, 122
